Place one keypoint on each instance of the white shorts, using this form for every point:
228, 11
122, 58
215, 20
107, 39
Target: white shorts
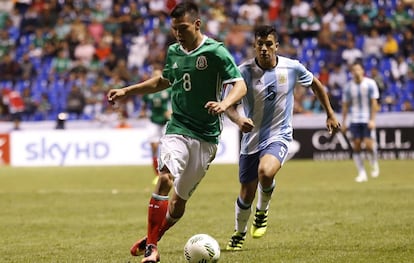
156, 131
187, 159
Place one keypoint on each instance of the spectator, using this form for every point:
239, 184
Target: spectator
84, 51
28, 70
399, 69
325, 38
62, 28
373, 44
365, 24
286, 47
9, 69
381, 22
75, 101
390, 48
235, 38
377, 77
118, 48
79, 29
60, 65
139, 50
94, 98
337, 81
311, 25
351, 54
44, 108
407, 105
30, 21
334, 19
407, 43
30, 105
6, 43
252, 11
14, 102
400, 19
95, 30
334, 54
102, 51
122, 71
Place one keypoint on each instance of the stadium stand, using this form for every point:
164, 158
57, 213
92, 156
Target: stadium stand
49, 46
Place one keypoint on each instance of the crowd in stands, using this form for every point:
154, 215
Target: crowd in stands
63, 55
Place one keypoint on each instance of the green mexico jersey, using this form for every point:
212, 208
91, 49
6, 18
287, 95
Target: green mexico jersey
159, 104
197, 77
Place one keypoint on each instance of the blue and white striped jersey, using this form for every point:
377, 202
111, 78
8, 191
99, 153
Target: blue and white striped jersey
358, 97
269, 101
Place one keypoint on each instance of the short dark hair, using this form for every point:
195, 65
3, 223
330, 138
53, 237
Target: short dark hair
183, 8
264, 31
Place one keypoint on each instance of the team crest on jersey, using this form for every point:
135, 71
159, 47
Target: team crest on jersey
282, 79
201, 63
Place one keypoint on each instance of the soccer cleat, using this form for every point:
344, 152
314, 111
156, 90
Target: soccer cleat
138, 248
259, 225
151, 254
362, 177
236, 241
375, 170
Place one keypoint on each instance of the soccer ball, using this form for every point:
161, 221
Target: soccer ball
201, 248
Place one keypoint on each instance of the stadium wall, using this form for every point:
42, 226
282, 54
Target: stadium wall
87, 143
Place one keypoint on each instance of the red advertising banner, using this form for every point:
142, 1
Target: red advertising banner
4, 148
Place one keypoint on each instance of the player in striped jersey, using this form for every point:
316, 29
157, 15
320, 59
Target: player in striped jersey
267, 127
196, 69
359, 99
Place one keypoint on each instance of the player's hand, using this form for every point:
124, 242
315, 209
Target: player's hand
333, 125
215, 107
246, 125
115, 94
371, 125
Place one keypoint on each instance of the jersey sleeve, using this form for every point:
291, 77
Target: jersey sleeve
228, 68
374, 89
305, 77
346, 96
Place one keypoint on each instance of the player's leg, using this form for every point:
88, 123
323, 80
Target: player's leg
154, 151
173, 158
371, 147
248, 166
271, 160
192, 166
357, 131
157, 209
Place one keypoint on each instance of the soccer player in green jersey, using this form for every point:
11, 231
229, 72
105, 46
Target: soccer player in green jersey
196, 69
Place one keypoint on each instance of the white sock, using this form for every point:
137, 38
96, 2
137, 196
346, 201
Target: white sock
358, 162
264, 196
243, 212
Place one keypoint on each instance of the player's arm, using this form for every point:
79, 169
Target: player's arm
345, 109
245, 124
151, 85
374, 109
319, 90
235, 94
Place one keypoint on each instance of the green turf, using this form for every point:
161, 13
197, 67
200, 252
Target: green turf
319, 214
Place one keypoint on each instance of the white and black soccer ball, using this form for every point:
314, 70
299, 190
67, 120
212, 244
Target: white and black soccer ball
201, 248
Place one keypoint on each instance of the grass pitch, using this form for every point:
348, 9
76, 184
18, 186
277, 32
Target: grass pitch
318, 214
